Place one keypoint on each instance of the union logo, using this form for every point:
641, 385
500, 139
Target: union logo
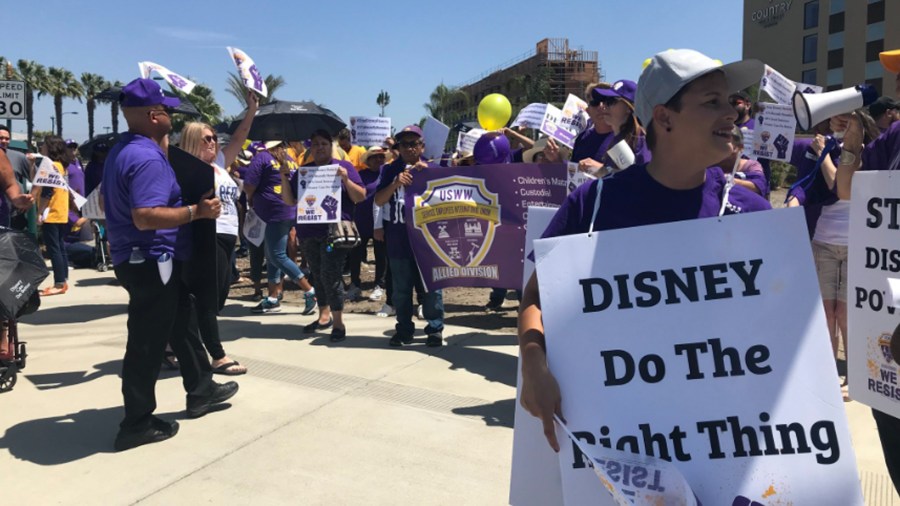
458, 217
884, 344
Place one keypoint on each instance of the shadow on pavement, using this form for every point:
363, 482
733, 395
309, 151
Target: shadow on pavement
500, 413
112, 281
63, 439
80, 313
461, 352
67, 379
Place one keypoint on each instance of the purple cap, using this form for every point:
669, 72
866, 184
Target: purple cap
143, 93
257, 146
71, 142
410, 129
620, 89
491, 148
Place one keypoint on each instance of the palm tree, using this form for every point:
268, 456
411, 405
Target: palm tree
61, 83
114, 108
35, 77
237, 89
93, 85
384, 98
441, 100
202, 98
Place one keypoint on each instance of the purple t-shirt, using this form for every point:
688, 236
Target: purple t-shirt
590, 144
347, 205
811, 190
365, 220
884, 152
633, 198
264, 175
395, 233
138, 175
75, 176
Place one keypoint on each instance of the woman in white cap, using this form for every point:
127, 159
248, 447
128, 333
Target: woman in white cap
682, 100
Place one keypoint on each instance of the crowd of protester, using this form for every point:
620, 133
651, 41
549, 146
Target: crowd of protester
679, 142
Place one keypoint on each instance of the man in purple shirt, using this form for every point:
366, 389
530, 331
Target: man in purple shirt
144, 212
395, 177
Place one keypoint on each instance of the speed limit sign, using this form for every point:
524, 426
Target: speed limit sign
12, 100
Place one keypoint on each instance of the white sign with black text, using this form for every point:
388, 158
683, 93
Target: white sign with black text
710, 356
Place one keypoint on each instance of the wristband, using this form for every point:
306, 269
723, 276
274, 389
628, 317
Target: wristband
190, 214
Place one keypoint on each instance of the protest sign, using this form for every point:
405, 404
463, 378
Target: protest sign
318, 194
774, 133
247, 70
254, 228
467, 224
550, 126
46, 175
465, 143
650, 360
369, 131
92, 209
435, 134
531, 116
78, 199
576, 177
534, 478
574, 115
781, 89
178, 81
873, 264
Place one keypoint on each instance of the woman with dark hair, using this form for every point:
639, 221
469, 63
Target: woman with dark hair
265, 190
326, 261
53, 214
682, 99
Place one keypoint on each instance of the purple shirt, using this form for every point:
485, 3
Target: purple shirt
884, 152
264, 175
633, 198
138, 175
347, 205
75, 175
811, 190
394, 222
365, 220
590, 144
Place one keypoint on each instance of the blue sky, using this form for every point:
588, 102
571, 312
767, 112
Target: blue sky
342, 54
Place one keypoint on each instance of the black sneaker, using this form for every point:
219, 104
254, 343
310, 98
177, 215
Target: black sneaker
159, 430
494, 306
338, 335
400, 339
434, 340
199, 405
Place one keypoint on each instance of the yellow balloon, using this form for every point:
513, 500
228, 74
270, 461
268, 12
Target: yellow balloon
646, 62
494, 111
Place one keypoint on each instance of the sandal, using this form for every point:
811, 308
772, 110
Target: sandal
227, 370
314, 326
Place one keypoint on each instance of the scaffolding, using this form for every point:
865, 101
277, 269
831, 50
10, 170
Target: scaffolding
567, 70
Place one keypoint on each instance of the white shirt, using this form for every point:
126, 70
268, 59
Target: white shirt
833, 226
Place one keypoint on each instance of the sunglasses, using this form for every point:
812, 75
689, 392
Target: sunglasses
409, 144
210, 139
608, 101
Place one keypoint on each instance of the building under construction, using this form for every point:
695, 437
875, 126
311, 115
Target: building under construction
547, 74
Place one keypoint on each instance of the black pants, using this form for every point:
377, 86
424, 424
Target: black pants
326, 267
358, 256
889, 434
207, 317
157, 313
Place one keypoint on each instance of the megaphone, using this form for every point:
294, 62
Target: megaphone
812, 108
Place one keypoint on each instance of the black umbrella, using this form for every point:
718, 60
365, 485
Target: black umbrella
21, 271
289, 121
186, 107
86, 150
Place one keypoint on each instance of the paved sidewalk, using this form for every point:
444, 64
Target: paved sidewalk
314, 422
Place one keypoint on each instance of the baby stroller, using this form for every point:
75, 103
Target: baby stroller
13, 361
23, 270
101, 246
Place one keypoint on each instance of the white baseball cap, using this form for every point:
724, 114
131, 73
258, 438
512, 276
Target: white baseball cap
670, 71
